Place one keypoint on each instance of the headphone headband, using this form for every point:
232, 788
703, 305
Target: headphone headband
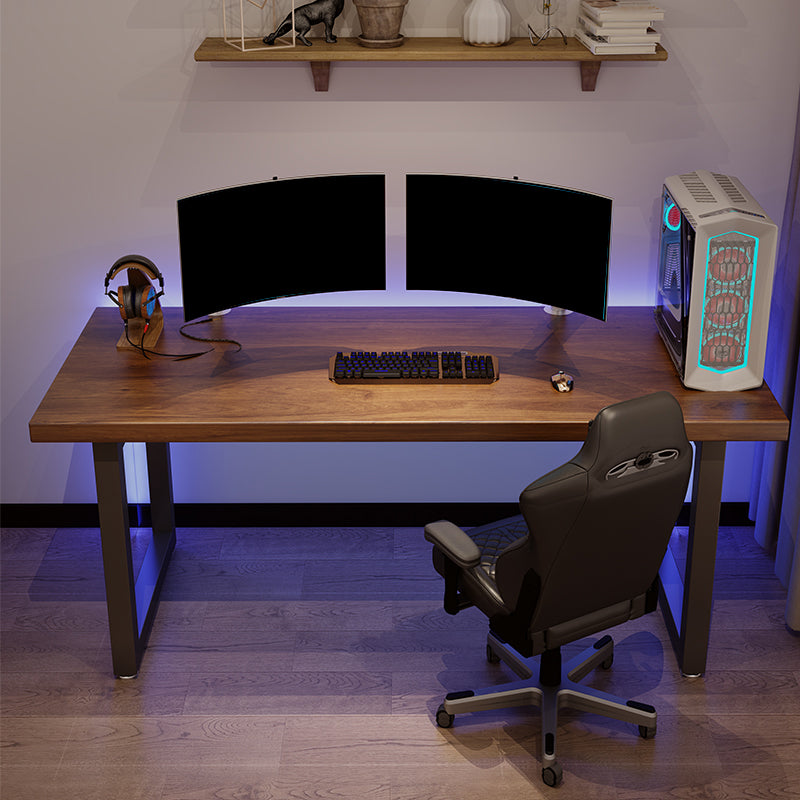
134, 262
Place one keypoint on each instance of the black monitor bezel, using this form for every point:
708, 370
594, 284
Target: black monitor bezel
424, 248
207, 287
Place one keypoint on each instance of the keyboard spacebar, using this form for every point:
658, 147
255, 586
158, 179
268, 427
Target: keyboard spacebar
382, 374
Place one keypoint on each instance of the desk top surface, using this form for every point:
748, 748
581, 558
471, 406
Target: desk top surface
277, 389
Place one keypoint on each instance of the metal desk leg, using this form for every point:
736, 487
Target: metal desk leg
686, 602
154, 566
132, 603
112, 505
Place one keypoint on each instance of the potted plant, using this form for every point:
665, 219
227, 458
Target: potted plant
380, 22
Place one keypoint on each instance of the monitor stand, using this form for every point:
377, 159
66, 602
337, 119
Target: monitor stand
556, 311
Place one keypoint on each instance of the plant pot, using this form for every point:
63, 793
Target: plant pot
380, 22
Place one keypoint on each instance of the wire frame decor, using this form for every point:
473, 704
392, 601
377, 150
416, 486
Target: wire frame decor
547, 8
245, 23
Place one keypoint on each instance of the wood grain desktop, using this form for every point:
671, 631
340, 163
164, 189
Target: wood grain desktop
276, 389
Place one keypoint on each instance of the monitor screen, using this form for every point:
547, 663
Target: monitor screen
508, 238
281, 238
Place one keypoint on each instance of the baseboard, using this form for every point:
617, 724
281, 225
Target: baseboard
290, 515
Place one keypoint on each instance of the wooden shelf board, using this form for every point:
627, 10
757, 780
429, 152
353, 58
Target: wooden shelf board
321, 54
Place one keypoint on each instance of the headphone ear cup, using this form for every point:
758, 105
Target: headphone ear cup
139, 301
126, 308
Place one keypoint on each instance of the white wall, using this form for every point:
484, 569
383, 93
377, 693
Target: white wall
107, 120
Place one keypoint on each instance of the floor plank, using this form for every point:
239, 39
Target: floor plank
308, 663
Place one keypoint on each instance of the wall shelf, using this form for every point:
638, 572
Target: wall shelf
321, 54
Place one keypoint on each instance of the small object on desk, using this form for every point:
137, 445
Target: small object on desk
562, 381
138, 302
428, 366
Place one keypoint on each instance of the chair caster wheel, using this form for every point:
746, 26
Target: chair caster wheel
443, 719
646, 732
552, 775
491, 656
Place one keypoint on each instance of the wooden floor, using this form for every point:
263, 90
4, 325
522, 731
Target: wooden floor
308, 663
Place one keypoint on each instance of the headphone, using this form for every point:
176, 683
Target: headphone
135, 301
141, 302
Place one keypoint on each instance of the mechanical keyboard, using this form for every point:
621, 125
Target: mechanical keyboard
432, 367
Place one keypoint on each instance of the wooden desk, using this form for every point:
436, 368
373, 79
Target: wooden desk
276, 389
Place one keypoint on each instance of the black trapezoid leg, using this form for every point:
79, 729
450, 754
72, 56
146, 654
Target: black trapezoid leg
112, 506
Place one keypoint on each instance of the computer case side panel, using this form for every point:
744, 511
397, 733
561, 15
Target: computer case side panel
728, 247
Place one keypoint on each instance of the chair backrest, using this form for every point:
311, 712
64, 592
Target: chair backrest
599, 525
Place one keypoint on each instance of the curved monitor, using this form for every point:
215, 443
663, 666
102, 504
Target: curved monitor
508, 238
281, 238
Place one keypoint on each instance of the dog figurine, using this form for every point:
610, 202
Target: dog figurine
324, 11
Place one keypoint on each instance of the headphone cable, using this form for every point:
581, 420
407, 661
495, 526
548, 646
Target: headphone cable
144, 351
206, 339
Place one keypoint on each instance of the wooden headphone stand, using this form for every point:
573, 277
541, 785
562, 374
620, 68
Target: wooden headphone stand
141, 332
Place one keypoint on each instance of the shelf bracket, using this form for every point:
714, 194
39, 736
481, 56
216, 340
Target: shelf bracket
321, 73
589, 70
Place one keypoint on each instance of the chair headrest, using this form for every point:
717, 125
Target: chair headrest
635, 436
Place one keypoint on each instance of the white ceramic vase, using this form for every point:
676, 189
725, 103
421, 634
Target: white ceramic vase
487, 23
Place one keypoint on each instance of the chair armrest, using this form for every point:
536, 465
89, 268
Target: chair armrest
454, 543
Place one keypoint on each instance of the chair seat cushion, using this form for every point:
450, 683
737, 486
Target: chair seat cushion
494, 538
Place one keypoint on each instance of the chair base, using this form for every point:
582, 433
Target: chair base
564, 693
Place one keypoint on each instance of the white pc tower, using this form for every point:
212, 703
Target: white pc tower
715, 272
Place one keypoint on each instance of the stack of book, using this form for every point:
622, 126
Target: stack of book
618, 26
